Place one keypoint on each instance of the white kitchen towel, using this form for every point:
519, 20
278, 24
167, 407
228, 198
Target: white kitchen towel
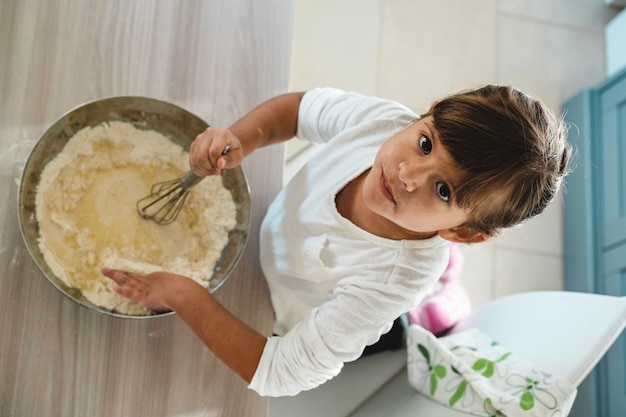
471, 372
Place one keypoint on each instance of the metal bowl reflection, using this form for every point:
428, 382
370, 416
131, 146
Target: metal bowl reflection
174, 122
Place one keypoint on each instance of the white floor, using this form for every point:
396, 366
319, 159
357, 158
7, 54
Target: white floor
416, 51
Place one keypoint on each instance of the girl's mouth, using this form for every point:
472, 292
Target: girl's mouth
385, 188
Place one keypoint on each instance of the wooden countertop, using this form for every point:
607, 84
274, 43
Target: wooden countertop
215, 58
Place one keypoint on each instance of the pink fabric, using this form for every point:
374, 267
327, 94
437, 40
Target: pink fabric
455, 263
443, 309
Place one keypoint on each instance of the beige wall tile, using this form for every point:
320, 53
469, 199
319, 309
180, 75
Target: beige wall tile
516, 271
478, 271
548, 61
432, 48
589, 14
335, 43
543, 233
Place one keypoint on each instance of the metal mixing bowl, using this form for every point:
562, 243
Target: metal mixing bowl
177, 124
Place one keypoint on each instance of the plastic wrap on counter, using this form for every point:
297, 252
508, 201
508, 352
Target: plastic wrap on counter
15, 147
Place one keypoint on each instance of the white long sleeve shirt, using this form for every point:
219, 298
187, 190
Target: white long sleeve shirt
335, 288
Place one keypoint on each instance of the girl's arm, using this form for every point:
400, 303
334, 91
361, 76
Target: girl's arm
233, 342
273, 121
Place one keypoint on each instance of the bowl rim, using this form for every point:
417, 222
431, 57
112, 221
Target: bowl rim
33, 247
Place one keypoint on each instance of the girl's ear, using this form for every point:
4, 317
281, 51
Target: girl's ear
463, 234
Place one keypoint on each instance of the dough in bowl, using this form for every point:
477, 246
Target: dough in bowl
86, 211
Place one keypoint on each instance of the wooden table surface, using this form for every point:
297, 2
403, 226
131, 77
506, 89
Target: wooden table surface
215, 58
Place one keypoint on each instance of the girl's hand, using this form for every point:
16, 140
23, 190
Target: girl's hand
207, 154
154, 290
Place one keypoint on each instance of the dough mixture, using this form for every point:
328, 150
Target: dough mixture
86, 210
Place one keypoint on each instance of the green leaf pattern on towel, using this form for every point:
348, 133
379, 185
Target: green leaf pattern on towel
468, 371
532, 392
458, 394
523, 388
460, 388
486, 367
490, 410
435, 370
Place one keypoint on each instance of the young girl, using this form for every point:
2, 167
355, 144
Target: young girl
362, 232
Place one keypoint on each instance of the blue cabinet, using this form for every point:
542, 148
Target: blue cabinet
612, 102
595, 227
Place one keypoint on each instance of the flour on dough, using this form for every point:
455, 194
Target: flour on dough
86, 210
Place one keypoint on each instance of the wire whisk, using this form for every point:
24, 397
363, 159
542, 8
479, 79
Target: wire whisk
166, 199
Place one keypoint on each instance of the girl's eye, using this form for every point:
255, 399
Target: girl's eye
426, 145
443, 191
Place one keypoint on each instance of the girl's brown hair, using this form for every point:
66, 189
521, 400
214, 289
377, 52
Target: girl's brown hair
513, 149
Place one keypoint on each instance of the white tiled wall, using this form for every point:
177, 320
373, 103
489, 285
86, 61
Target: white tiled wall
429, 48
415, 51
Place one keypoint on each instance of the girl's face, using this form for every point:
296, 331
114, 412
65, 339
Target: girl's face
412, 181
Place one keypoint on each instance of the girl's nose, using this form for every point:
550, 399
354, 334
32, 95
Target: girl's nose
412, 175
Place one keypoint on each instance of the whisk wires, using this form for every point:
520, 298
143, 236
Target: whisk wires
166, 199
164, 203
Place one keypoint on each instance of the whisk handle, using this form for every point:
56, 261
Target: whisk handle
189, 180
